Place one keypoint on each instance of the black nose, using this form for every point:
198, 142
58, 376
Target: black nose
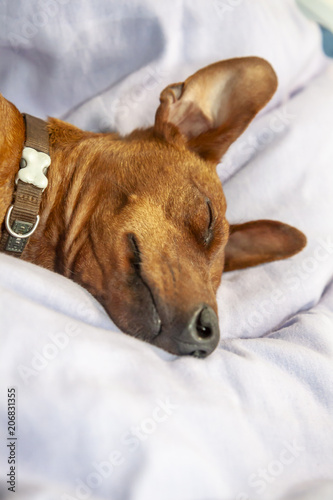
201, 335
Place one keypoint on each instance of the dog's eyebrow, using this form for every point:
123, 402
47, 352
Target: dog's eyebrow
206, 199
197, 187
203, 198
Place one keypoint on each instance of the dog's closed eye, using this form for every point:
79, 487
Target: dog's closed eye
201, 220
136, 259
210, 229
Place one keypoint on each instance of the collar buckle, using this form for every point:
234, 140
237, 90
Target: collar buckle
22, 216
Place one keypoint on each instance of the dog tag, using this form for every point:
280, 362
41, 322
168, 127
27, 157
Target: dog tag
34, 168
18, 244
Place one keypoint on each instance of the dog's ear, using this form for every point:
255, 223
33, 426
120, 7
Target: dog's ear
261, 241
216, 104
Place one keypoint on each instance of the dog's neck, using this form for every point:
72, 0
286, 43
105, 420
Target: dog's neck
11, 145
53, 238
58, 199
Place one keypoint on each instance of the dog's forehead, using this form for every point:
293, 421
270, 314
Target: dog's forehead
157, 165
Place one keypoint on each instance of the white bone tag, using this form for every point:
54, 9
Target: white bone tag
36, 168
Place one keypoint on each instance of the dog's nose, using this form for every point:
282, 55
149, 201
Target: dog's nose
201, 335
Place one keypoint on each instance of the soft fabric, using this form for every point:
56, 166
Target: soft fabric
101, 415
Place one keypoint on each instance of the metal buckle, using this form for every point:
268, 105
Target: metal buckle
16, 235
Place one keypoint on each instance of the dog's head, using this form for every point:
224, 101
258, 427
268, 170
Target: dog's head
143, 225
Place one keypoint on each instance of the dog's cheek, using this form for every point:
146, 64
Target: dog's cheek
217, 270
217, 254
88, 272
118, 304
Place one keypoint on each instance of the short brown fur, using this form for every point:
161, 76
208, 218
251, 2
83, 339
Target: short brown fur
155, 192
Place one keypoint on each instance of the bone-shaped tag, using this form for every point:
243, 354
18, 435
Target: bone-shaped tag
35, 169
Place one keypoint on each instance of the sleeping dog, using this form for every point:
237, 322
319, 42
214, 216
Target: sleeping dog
139, 220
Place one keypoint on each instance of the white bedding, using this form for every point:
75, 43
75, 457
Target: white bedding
102, 415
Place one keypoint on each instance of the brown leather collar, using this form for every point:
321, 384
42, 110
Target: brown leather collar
22, 216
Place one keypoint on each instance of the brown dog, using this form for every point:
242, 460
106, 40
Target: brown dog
140, 220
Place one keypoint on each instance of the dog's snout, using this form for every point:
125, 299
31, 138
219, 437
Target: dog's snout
201, 335
205, 324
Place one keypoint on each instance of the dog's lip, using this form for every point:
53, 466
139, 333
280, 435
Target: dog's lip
156, 317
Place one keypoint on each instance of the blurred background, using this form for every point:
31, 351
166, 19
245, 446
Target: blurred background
82, 61
321, 11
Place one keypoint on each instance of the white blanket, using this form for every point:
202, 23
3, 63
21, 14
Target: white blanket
101, 415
